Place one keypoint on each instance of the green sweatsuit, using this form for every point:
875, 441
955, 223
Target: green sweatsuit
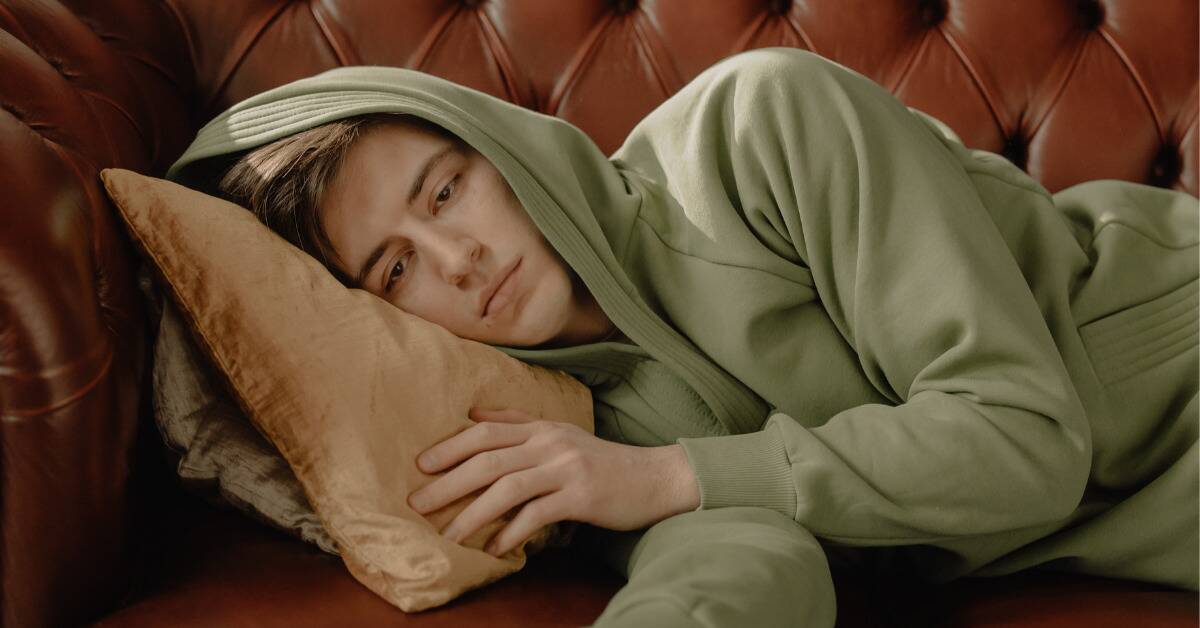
864, 334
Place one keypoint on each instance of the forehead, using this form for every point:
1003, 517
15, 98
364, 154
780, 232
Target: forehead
384, 158
401, 144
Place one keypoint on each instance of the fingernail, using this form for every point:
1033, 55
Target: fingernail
490, 548
417, 503
450, 534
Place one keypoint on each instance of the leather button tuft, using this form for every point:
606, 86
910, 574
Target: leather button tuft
621, 7
933, 12
1091, 14
779, 7
60, 66
471, 4
1166, 167
1016, 150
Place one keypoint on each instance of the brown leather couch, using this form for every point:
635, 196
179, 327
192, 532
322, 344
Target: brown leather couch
94, 528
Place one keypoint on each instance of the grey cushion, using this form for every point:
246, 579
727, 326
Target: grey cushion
222, 457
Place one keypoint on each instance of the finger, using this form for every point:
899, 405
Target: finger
476, 438
505, 494
479, 471
506, 415
533, 516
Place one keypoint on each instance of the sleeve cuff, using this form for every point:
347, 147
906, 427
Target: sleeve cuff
743, 470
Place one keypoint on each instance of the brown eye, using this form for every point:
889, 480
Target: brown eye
447, 191
393, 276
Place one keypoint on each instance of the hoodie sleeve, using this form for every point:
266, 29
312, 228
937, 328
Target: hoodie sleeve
988, 433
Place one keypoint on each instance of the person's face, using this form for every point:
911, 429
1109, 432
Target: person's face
438, 256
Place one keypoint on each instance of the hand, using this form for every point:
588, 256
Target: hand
558, 471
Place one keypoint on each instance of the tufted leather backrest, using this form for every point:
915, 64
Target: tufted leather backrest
1070, 90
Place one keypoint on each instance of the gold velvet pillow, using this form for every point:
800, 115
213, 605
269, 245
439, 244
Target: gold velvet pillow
347, 387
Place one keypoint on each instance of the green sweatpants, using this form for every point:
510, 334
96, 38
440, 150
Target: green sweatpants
749, 566
740, 566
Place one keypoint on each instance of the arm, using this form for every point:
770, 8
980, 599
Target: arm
988, 432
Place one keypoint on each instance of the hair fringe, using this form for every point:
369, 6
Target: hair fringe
282, 183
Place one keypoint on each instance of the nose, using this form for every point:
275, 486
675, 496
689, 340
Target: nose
456, 256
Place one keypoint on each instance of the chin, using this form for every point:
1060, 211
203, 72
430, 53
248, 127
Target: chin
538, 326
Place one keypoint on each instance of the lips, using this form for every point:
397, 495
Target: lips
499, 281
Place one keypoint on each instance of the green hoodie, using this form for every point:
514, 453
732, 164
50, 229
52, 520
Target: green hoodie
841, 313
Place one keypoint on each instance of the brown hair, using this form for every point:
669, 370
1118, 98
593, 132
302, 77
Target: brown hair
283, 182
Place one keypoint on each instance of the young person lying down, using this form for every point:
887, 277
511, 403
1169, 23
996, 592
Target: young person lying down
816, 327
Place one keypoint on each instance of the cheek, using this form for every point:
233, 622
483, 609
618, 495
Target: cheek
423, 299
553, 296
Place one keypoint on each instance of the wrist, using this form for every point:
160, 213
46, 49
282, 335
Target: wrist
683, 491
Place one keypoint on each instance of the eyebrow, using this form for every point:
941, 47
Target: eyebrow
413, 192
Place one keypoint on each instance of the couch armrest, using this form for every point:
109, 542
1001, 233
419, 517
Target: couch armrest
69, 373
79, 91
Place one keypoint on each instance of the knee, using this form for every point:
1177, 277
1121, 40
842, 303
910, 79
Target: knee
745, 527
727, 566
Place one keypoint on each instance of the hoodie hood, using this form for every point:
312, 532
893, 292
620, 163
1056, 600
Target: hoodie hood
585, 204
